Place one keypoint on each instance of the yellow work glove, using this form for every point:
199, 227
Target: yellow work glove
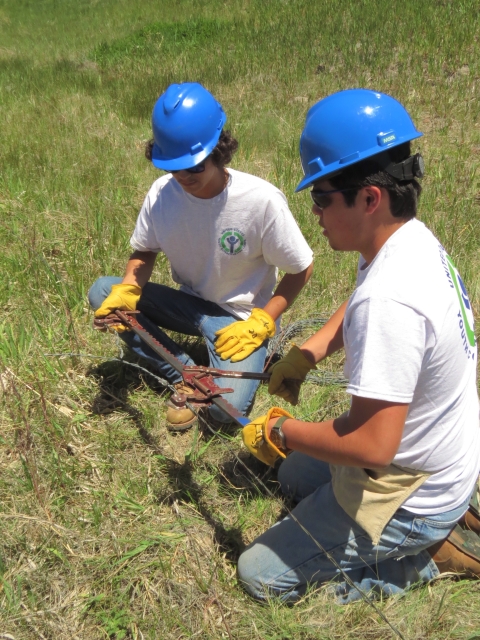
237, 341
287, 375
256, 440
122, 296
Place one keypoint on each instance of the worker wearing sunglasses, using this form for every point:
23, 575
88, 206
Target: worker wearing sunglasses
380, 488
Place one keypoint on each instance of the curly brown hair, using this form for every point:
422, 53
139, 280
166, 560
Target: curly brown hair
221, 155
226, 146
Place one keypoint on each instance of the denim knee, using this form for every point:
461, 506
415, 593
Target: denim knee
276, 580
248, 576
100, 289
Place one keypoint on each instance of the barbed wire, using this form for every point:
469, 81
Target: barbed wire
278, 346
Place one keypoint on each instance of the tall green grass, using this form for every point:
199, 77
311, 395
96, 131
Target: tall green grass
110, 526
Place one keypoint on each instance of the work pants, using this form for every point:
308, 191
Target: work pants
285, 561
162, 307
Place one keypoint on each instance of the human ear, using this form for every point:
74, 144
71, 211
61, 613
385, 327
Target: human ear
373, 198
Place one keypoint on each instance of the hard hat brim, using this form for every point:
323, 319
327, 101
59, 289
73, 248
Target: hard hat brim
339, 166
177, 164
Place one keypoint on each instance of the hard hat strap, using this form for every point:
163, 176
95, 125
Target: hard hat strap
412, 167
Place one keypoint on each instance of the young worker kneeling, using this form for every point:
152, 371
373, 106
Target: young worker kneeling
380, 487
225, 233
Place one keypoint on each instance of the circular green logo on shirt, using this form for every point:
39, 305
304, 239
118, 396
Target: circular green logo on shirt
232, 241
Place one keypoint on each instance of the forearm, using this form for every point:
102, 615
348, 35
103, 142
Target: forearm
367, 436
139, 268
323, 441
328, 339
287, 290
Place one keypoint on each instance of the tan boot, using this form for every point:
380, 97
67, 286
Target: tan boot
470, 521
179, 417
458, 554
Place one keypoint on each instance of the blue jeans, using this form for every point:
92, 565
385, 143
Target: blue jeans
174, 310
285, 561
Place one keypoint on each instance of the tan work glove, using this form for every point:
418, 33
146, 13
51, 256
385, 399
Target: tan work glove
287, 375
240, 339
122, 296
258, 442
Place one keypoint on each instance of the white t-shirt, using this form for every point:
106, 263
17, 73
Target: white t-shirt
226, 249
408, 335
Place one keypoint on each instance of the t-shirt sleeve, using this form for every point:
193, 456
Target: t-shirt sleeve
143, 237
283, 244
385, 344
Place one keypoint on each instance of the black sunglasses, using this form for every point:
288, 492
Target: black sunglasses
322, 199
198, 168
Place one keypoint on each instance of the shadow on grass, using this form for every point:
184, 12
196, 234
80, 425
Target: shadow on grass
116, 380
183, 487
243, 473
246, 474
252, 478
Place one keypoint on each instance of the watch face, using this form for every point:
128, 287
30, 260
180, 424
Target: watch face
276, 438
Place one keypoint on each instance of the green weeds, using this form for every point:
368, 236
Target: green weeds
161, 38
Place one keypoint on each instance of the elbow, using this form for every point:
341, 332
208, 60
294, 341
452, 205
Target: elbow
378, 463
375, 459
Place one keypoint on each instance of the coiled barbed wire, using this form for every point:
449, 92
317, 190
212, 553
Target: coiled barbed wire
279, 344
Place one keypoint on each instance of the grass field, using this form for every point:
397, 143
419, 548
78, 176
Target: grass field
110, 526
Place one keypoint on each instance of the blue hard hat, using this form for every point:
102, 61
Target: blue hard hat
187, 122
348, 127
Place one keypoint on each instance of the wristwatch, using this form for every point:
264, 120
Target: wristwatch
277, 436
